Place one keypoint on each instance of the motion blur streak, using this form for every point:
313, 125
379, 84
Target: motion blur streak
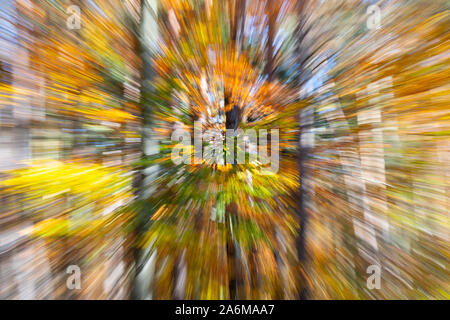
92, 205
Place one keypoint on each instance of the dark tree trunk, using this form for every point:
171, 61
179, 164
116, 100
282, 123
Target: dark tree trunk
302, 214
138, 182
271, 15
303, 153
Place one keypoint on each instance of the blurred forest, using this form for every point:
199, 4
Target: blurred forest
86, 174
